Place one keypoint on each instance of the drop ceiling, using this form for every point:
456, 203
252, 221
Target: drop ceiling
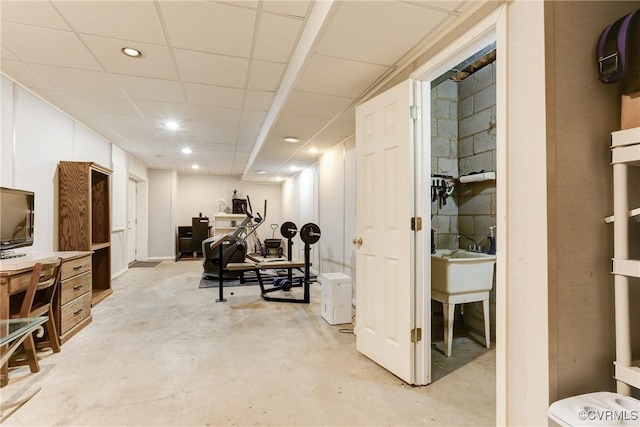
237, 76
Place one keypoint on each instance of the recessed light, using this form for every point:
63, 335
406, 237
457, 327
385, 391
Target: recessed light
172, 125
195, 167
291, 139
131, 52
187, 150
278, 178
294, 168
312, 150
261, 172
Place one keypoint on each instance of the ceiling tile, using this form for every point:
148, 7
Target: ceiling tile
286, 7
81, 81
213, 96
147, 89
277, 36
214, 114
62, 100
354, 33
265, 75
248, 133
127, 20
444, 5
298, 126
354, 78
7, 54
106, 104
46, 46
316, 105
258, 100
155, 62
349, 115
339, 128
255, 118
213, 147
210, 27
207, 68
163, 110
37, 13
26, 75
323, 141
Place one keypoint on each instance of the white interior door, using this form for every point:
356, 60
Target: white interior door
131, 221
385, 279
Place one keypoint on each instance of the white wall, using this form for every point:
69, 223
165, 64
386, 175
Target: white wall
300, 206
325, 195
35, 137
162, 213
175, 198
199, 194
337, 202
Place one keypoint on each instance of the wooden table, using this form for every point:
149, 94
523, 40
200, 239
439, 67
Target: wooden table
14, 278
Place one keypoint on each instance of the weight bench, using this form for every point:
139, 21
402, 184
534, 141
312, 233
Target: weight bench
310, 234
258, 267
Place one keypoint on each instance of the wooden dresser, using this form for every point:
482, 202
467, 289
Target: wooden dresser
72, 307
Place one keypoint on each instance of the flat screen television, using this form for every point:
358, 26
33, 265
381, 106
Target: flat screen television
16, 220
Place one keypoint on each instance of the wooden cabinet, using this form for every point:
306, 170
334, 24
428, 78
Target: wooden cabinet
84, 219
72, 303
73, 310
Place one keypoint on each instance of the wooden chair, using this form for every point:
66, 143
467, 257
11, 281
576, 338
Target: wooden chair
38, 301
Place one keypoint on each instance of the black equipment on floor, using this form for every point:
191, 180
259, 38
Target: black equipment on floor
272, 244
310, 234
234, 247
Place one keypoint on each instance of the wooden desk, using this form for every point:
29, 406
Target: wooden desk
72, 305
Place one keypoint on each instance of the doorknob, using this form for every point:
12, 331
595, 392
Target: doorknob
358, 242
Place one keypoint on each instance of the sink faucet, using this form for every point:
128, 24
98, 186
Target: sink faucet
473, 247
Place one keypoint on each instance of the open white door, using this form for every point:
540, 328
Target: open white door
385, 279
131, 221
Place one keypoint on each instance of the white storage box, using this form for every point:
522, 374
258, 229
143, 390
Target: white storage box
596, 409
335, 304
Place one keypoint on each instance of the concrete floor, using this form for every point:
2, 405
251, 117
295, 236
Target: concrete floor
160, 351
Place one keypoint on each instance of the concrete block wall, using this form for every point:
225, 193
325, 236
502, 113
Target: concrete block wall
444, 159
477, 152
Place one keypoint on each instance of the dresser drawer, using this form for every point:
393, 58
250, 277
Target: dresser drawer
19, 282
74, 287
76, 266
75, 311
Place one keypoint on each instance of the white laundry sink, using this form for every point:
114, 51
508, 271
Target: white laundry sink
458, 271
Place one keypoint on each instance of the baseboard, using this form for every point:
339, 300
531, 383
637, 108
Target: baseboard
158, 258
119, 273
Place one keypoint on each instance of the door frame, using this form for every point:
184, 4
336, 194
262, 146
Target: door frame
492, 28
132, 205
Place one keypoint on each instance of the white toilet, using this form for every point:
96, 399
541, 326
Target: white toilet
596, 409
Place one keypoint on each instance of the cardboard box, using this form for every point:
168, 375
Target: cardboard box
630, 111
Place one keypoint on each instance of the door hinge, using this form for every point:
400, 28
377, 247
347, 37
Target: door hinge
414, 112
416, 223
416, 334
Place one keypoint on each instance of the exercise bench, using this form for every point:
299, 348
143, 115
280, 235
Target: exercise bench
258, 267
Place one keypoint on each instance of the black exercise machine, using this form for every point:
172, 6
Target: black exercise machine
234, 245
309, 234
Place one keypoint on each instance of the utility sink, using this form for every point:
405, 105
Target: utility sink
458, 271
459, 276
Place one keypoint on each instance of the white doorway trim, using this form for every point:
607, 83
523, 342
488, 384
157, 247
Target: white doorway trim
492, 28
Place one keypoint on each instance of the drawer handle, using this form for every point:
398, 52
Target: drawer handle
77, 288
75, 313
77, 267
